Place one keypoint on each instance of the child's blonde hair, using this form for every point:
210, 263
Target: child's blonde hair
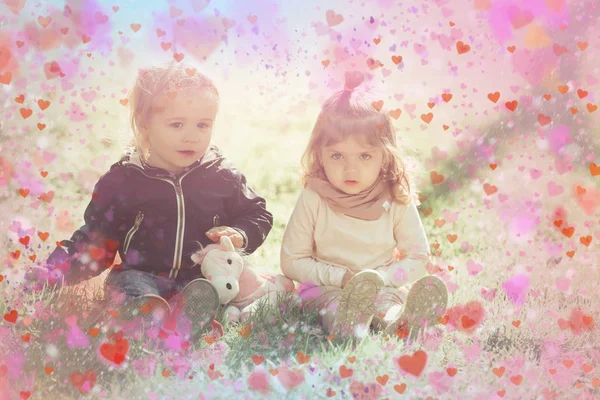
156, 81
348, 113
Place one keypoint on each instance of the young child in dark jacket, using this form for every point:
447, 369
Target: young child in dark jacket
172, 191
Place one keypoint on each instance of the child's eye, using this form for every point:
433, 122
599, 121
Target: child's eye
176, 124
365, 156
336, 156
203, 125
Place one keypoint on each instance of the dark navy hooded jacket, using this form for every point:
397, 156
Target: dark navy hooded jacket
155, 219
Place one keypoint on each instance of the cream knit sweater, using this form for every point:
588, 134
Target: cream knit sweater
320, 245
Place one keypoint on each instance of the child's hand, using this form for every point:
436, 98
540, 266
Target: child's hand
347, 276
215, 234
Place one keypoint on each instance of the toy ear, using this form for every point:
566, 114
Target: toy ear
226, 244
197, 257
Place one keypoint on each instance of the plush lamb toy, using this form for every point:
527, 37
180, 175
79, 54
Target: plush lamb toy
222, 268
236, 282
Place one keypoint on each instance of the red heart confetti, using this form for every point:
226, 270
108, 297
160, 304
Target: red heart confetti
414, 364
84, 382
11, 316
115, 352
257, 359
400, 388
345, 372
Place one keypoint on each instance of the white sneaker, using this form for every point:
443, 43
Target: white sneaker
357, 303
425, 303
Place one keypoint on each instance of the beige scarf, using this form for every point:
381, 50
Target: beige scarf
368, 204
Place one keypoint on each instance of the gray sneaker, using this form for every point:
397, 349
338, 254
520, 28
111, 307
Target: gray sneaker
357, 303
197, 306
425, 303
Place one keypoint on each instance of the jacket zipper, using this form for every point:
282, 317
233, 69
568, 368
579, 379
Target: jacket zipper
138, 221
177, 254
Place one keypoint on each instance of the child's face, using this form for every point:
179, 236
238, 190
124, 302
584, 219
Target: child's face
352, 165
180, 130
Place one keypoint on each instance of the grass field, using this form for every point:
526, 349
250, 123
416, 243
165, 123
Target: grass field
514, 227
539, 356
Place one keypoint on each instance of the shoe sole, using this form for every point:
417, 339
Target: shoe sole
357, 302
200, 305
425, 303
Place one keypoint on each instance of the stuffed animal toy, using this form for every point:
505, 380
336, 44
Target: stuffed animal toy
222, 266
237, 283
